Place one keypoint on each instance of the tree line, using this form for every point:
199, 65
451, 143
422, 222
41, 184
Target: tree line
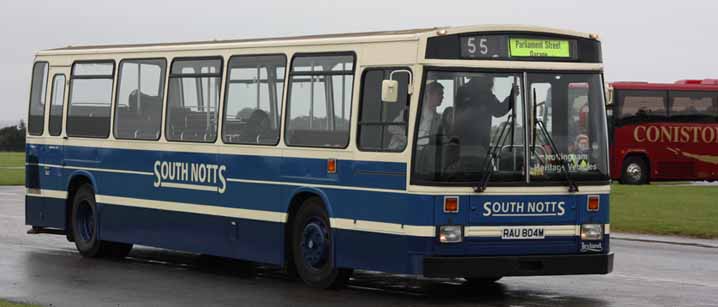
12, 138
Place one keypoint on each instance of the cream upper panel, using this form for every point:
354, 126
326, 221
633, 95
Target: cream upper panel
313, 40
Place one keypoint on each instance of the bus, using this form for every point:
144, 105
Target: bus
664, 131
452, 152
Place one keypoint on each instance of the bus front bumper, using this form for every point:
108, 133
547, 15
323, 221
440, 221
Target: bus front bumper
496, 266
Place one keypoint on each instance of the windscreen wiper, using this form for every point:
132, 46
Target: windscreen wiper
487, 168
572, 186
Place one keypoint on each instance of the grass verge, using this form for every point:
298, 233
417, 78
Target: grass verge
665, 210
4, 303
12, 168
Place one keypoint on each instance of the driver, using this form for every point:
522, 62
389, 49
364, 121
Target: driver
429, 118
476, 104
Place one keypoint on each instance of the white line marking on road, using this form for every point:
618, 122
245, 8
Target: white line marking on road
667, 280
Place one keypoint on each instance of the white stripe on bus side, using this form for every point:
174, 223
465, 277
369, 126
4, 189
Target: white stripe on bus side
46, 193
312, 185
107, 170
186, 186
385, 228
259, 215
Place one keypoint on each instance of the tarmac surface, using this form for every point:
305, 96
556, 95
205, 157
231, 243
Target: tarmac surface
47, 270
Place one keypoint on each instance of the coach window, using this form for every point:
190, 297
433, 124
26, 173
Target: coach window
90, 99
138, 110
36, 118
382, 125
319, 103
193, 100
56, 103
253, 95
642, 105
693, 106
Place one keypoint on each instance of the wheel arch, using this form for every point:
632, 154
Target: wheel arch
640, 154
297, 198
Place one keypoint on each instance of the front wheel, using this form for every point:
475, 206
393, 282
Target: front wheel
85, 228
313, 247
635, 171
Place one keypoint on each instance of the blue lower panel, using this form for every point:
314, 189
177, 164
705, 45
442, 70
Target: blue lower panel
204, 234
372, 251
33, 211
252, 240
45, 212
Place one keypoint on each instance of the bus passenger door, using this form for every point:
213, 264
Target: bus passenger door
55, 148
54, 158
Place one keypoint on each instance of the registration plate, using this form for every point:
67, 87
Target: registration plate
522, 233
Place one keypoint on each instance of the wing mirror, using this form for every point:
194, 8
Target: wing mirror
390, 88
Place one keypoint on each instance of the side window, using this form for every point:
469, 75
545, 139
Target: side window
319, 102
253, 107
90, 99
38, 89
140, 91
690, 106
642, 104
193, 100
58, 100
383, 125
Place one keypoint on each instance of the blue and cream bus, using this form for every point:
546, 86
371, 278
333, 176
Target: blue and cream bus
470, 152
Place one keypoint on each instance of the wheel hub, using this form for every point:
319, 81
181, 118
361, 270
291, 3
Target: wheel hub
314, 244
634, 171
86, 221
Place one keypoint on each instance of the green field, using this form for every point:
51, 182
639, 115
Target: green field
665, 209
12, 168
4, 303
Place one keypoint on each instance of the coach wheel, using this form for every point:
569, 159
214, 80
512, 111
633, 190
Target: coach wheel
85, 228
313, 247
635, 171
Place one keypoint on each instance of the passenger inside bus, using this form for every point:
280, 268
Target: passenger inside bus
137, 117
257, 128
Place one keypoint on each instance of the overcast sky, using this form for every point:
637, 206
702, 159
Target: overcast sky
642, 40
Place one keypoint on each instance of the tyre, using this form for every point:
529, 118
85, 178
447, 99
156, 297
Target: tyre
635, 171
313, 247
85, 228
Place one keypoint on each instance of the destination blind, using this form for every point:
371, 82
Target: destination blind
505, 47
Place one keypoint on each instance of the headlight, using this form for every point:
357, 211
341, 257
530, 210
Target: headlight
591, 232
451, 234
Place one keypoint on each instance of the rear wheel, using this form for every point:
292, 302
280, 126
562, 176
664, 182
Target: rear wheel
635, 171
85, 228
313, 247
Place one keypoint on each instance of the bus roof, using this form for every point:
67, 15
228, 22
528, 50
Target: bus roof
409, 34
680, 85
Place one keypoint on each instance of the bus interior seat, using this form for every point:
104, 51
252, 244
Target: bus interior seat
317, 137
